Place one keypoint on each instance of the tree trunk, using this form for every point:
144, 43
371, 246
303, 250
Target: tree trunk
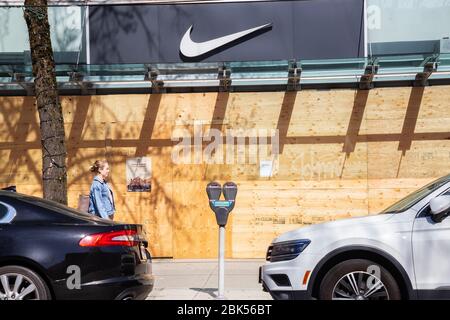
54, 172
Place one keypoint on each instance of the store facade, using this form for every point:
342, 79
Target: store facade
317, 111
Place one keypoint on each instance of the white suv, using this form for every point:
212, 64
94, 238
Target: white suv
402, 253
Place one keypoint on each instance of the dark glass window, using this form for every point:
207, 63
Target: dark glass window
3, 212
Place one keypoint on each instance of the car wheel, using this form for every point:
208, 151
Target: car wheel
359, 279
19, 283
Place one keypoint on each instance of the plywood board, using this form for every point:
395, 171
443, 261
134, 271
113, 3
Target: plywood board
342, 153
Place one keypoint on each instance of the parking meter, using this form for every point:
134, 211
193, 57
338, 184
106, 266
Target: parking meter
221, 208
214, 190
230, 192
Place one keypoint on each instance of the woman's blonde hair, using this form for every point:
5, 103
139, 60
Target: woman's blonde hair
98, 165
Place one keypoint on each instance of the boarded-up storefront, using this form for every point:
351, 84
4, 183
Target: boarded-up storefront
341, 153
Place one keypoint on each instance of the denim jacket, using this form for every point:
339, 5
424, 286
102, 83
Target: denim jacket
99, 201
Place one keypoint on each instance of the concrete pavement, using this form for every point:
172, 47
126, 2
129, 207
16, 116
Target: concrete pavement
198, 279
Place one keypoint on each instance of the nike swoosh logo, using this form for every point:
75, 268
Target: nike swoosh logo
193, 49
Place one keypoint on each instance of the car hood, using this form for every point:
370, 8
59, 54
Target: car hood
351, 226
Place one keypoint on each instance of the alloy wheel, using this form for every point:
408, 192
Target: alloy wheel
14, 286
360, 285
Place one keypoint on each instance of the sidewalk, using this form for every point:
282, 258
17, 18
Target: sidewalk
197, 280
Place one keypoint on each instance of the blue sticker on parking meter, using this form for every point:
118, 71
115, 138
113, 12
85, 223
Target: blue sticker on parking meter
222, 204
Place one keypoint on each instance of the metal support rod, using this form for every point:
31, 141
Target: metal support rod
221, 290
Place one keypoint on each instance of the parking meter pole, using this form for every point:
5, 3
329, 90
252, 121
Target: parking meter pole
221, 209
221, 294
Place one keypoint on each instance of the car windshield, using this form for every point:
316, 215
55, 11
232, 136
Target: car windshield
416, 196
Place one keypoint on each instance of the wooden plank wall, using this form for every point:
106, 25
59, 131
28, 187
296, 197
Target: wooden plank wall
343, 153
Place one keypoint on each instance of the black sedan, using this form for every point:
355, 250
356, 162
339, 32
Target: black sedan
50, 251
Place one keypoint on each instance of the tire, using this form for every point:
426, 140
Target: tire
372, 280
23, 283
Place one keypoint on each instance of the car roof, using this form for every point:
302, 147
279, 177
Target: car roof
66, 211
17, 195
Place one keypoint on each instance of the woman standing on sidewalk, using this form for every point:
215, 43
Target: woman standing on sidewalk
101, 197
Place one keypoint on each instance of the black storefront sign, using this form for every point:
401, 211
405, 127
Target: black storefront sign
218, 32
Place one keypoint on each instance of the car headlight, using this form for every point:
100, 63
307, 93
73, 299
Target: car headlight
287, 250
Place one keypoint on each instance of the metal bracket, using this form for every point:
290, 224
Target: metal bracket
224, 76
366, 81
152, 76
422, 77
19, 78
85, 86
294, 76
75, 76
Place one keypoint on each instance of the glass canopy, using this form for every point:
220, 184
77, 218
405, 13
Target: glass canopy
261, 74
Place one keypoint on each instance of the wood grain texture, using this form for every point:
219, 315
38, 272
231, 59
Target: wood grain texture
343, 153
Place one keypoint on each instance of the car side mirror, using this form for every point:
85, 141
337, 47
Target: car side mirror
440, 208
10, 188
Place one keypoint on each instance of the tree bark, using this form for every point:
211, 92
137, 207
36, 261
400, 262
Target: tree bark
54, 172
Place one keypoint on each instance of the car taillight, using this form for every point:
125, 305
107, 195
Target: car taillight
127, 238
